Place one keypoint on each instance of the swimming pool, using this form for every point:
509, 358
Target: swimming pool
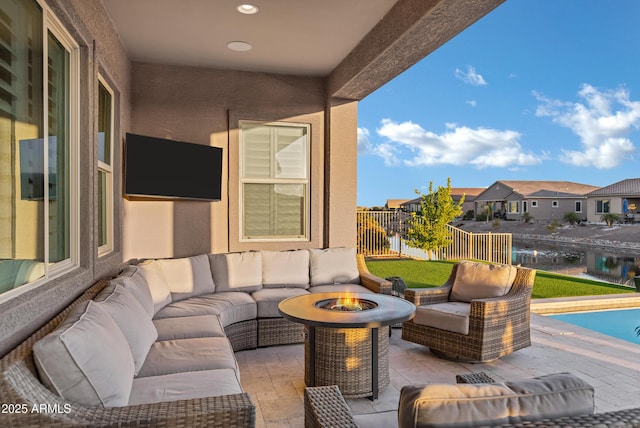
619, 323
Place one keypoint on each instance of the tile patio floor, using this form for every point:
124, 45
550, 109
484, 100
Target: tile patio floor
274, 376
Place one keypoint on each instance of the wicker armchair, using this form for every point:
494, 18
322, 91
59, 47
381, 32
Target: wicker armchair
497, 326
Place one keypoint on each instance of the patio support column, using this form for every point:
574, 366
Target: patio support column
340, 173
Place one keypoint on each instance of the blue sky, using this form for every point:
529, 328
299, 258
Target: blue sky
535, 90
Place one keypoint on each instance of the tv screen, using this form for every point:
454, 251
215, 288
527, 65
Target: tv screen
155, 167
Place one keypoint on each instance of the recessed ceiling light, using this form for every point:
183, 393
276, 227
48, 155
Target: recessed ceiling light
247, 9
239, 46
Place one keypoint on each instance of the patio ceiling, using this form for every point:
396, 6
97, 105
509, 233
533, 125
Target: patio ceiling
358, 44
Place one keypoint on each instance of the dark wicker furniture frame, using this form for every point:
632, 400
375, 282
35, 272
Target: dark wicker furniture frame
497, 326
324, 407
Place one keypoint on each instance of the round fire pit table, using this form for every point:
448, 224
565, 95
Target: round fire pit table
347, 348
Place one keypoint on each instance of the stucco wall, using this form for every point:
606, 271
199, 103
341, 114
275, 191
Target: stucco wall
203, 106
100, 51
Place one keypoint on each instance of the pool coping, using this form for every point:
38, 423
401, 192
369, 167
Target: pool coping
584, 303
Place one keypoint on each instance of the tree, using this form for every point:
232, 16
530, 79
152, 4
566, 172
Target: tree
372, 238
428, 229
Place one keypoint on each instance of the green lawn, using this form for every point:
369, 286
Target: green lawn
421, 273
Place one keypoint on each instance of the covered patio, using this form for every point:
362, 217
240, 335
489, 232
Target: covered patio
274, 376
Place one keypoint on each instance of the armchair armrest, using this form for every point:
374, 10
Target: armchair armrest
324, 407
427, 296
370, 281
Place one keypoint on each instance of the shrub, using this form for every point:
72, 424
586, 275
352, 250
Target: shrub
527, 217
610, 218
468, 215
553, 226
572, 218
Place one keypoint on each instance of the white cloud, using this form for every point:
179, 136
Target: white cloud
472, 103
459, 145
603, 121
384, 150
470, 77
364, 145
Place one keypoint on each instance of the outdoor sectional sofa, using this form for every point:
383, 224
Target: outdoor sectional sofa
155, 346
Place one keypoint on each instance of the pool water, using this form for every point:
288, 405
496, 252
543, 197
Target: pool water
617, 323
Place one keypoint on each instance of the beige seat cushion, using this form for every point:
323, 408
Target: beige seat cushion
184, 386
230, 306
268, 299
462, 405
189, 327
160, 292
285, 269
87, 359
334, 266
237, 271
450, 316
187, 277
134, 323
476, 280
188, 355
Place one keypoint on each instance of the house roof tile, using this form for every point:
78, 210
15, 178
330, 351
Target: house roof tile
627, 187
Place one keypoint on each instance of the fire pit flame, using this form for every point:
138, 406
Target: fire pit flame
346, 303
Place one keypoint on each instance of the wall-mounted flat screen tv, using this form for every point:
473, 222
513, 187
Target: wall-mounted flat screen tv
160, 168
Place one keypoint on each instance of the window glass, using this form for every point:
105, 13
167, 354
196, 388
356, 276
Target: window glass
35, 146
274, 181
602, 206
105, 172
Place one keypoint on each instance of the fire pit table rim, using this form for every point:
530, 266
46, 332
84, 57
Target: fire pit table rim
389, 310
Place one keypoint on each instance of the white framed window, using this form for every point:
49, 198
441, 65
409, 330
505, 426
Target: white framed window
554, 204
105, 167
39, 128
274, 181
513, 207
578, 206
534, 204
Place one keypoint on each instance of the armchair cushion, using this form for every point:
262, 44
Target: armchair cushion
450, 316
476, 280
461, 405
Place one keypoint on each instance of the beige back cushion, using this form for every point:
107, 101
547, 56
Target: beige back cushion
134, 323
87, 359
444, 405
187, 277
134, 281
288, 269
237, 271
476, 280
334, 266
160, 292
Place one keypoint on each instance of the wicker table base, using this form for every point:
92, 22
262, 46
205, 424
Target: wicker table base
344, 357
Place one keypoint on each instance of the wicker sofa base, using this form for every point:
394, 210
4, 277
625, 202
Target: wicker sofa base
279, 331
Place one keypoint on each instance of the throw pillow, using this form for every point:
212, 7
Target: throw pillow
334, 266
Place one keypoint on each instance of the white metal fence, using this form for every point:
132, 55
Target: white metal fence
383, 233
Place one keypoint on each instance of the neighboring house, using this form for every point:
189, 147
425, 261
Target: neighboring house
456, 194
80, 75
621, 198
543, 200
394, 204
